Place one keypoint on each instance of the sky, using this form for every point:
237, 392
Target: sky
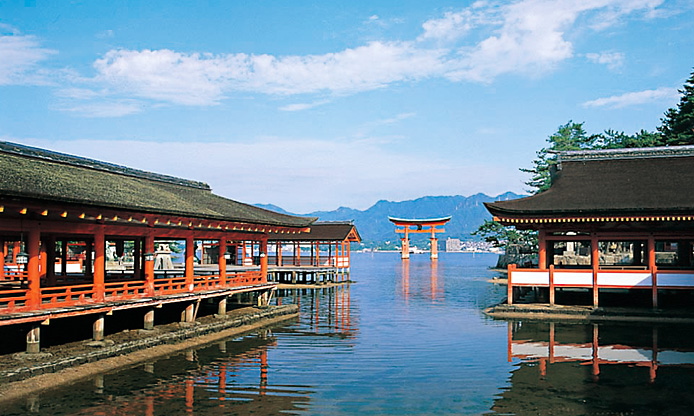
313, 105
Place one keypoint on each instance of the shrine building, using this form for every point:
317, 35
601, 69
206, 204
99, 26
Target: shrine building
614, 223
322, 252
84, 237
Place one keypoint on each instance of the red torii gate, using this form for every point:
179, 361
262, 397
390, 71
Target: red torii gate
419, 224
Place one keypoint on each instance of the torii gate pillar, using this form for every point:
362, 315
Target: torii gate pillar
405, 252
422, 226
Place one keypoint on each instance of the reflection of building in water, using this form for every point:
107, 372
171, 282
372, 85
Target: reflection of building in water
598, 369
327, 310
231, 377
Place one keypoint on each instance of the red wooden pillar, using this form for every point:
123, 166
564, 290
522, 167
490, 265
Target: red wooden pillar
34, 294
190, 261
434, 244
595, 259
317, 253
243, 253
63, 258
149, 264
509, 284
43, 262
551, 284
298, 253
263, 259
330, 253
137, 259
88, 259
542, 258
596, 358
222, 261
654, 270
50, 261
279, 253
2, 259
99, 263
405, 253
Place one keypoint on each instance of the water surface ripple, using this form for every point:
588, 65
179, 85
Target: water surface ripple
407, 338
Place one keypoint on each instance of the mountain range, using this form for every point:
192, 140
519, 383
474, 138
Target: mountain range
467, 213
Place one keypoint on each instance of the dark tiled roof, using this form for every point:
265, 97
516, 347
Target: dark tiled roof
27, 172
656, 181
321, 231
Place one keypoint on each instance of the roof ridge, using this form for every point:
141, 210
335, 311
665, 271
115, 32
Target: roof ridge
67, 159
627, 153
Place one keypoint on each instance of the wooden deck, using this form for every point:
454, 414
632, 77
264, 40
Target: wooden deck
307, 274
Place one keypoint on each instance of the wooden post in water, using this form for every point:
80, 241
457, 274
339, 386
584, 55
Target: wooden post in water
34, 339
98, 328
149, 319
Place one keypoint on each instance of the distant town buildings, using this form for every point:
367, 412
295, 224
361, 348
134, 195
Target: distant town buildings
458, 245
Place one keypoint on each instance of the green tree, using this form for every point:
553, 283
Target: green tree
502, 236
570, 136
678, 125
612, 139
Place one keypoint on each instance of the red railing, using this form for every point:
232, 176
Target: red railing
16, 275
12, 300
52, 297
125, 290
15, 299
170, 286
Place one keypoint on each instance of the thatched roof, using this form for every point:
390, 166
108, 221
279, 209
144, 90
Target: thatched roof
41, 175
323, 231
625, 182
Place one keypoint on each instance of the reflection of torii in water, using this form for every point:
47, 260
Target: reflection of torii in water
163, 257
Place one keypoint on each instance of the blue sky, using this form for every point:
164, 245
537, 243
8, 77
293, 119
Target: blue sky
316, 105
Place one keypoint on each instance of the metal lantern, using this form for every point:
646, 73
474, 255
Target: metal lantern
227, 255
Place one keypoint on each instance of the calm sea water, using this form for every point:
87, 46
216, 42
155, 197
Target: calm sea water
407, 338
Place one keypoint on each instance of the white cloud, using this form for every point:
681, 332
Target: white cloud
613, 60
303, 106
526, 37
476, 44
635, 98
531, 38
106, 34
104, 109
20, 56
356, 173
204, 79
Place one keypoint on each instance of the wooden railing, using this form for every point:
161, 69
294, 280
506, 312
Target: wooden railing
14, 299
52, 297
